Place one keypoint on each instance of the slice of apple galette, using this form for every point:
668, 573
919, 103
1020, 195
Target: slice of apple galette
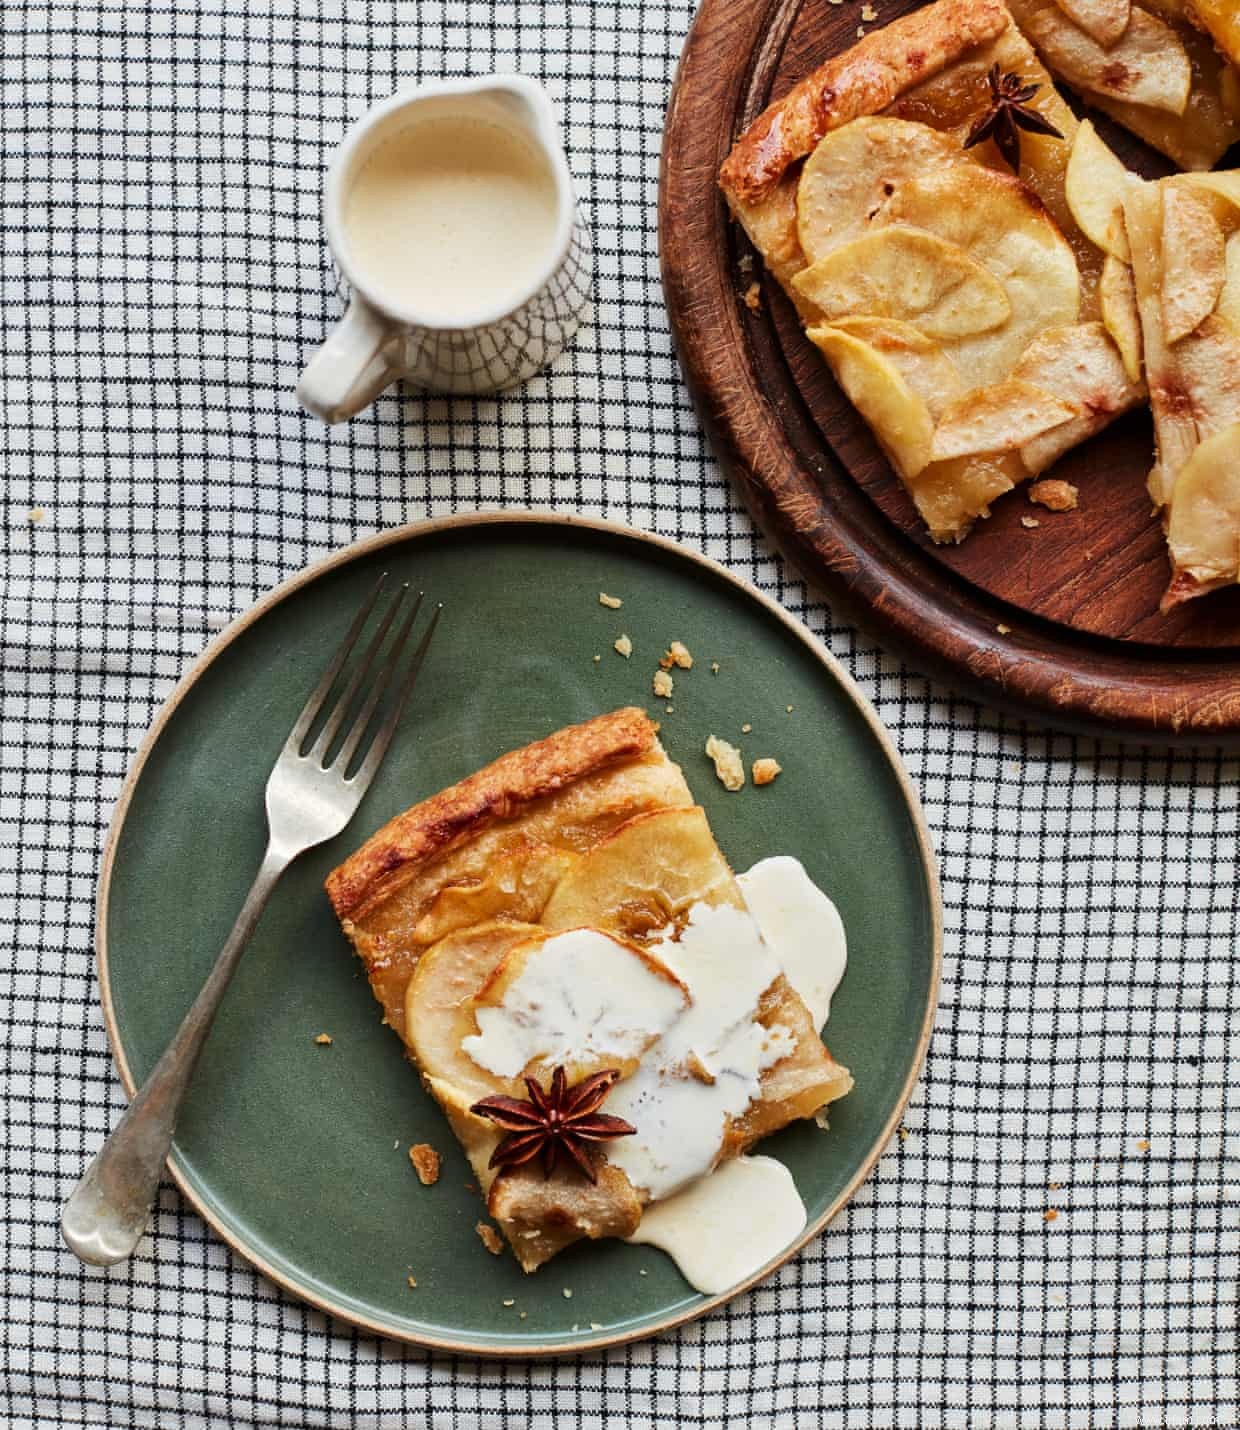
577, 975
909, 195
1184, 237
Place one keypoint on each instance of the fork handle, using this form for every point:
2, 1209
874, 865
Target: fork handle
104, 1219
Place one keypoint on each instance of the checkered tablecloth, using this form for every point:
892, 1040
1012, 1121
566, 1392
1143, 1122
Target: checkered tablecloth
164, 277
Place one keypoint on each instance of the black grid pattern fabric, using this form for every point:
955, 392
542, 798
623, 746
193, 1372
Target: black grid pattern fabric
164, 278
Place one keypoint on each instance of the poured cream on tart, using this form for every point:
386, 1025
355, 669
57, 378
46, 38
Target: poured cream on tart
682, 1014
724, 1227
579, 996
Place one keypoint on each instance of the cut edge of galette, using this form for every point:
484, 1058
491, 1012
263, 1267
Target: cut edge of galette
577, 869
1184, 233
957, 302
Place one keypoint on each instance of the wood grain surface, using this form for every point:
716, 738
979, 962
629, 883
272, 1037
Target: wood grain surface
1083, 644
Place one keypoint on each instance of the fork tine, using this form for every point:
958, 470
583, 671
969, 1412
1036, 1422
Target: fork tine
312, 706
362, 720
383, 737
328, 733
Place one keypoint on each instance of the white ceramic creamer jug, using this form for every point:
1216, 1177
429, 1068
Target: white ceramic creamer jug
450, 212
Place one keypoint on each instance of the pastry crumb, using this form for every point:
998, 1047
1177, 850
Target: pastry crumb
729, 766
745, 729
714, 667
1143, 1145
412, 1280
425, 1163
765, 770
904, 1134
861, 32
324, 1040
1055, 495
613, 603
1031, 523
523, 1314
623, 646
1050, 1214
662, 684
671, 710
789, 709
821, 1120
752, 297
37, 514
677, 654
490, 1238
1053, 1186
1003, 630
868, 13
641, 1271
596, 659
596, 1325
568, 1293
509, 1302
745, 263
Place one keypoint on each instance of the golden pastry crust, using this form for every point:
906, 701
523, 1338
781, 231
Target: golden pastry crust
863, 80
500, 791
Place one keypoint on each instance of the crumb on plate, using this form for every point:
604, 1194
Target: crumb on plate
765, 770
324, 1040
412, 1280
425, 1163
490, 1238
662, 684
677, 653
509, 1302
728, 763
745, 729
568, 1293
596, 659
613, 603
624, 646
1055, 495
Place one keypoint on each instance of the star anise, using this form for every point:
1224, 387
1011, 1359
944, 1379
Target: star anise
1008, 114
556, 1119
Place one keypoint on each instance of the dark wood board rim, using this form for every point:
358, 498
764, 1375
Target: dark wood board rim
1037, 669
307, 1291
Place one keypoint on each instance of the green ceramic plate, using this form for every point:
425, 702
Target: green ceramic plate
297, 1154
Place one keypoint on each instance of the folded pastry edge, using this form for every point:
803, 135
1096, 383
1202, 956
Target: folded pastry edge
500, 790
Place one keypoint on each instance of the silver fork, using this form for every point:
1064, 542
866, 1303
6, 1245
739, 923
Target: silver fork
308, 800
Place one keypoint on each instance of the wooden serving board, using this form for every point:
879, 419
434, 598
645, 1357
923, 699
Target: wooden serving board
1059, 622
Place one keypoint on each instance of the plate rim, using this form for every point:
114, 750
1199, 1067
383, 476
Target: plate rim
807, 502
413, 531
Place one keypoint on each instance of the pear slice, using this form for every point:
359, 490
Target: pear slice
997, 419
1173, 416
1117, 300
909, 274
999, 223
1103, 20
899, 418
1203, 526
1194, 262
515, 885
856, 171
438, 1014
1228, 306
1209, 368
646, 874
1081, 365
1094, 187
920, 361
1147, 66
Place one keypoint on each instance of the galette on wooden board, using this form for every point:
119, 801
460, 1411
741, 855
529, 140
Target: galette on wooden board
956, 243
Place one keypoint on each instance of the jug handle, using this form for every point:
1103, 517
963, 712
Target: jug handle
355, 363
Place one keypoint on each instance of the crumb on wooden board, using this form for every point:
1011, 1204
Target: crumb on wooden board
1055, 495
